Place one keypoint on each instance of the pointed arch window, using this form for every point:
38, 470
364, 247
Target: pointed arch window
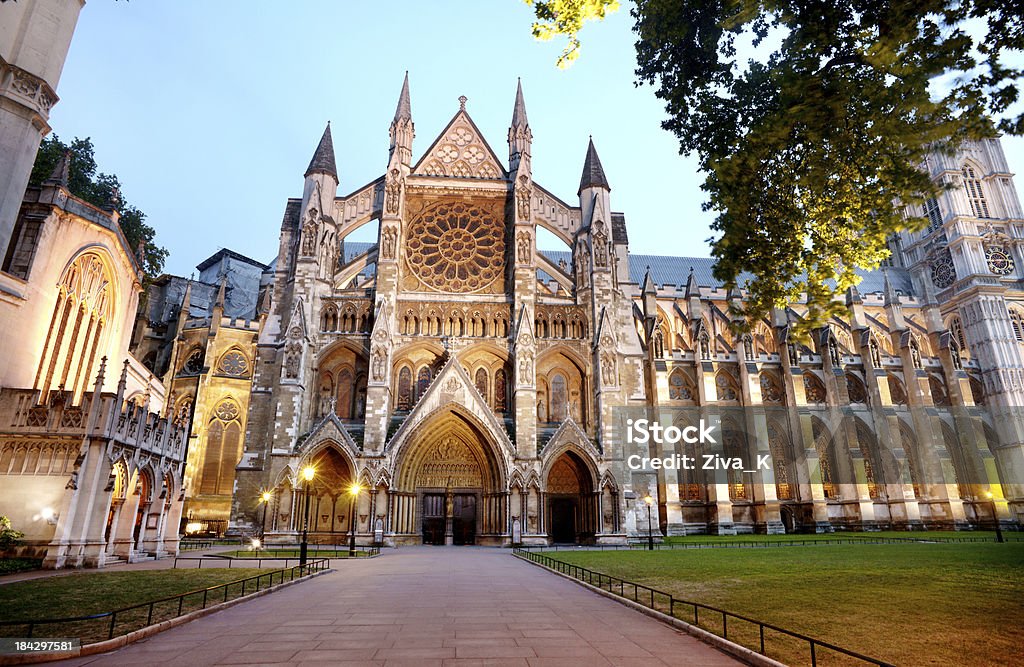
404, 388
223, 450
422, 381
559, 397
481, 382
500, 391
1017, 322
956, 328
84, 306
975, 194
934, 215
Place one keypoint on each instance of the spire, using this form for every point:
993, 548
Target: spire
888, 293
323, 158
402, 130
519, 111
648, 285
691, 285
593, 172
853, 296
404, 110
62, 171
519, 136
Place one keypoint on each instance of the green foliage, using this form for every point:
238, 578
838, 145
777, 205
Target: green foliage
8, 536
566, 17
12, 565
813, 149
99, 189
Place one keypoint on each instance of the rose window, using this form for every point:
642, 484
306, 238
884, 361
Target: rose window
234, 363
226, 411
455, 247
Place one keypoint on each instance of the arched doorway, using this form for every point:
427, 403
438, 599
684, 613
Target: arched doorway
570, 500
450, 484
329, 499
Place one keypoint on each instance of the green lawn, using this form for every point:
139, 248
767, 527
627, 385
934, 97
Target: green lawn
910, 604
82, 594
935, 535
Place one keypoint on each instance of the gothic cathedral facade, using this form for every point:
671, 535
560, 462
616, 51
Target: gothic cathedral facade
471, 384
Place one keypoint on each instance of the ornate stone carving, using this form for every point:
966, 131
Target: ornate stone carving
457, 246
393, 192
523, 248
379, 363
600, 246
292, 360
234, 364
387, 250
450, 464
525, 371
943, 272
608, 375
309, 232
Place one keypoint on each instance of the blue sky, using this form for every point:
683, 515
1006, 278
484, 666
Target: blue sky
209, 111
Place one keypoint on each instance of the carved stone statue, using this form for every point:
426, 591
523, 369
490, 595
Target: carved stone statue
378, 364
915, 355
523, 248
291, 361
309, 233
524, 371
833, 351
392, 192
388, 243
607, 368
600, 251
876, 357
523, 199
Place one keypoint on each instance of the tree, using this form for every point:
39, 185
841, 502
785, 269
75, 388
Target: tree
814, 149
8, 536
100, 190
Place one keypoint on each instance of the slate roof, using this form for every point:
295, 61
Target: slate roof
667, 270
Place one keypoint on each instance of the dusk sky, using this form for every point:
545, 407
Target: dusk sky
210, 111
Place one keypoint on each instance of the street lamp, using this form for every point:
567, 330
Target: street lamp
353, 493
265, 499
995, 517
307, 474
650, 531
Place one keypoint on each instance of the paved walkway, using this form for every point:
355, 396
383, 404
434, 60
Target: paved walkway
424, 606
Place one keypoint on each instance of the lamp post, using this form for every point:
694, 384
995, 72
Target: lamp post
650, 533
307, 474
353, 494
995, 517
265, 499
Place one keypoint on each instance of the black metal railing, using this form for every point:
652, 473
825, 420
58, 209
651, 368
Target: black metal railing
765, 544
677, 608
110, 624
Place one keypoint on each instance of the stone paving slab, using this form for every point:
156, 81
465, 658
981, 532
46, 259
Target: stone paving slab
423, 606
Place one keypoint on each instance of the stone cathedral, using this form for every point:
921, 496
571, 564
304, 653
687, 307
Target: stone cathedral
470, 382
